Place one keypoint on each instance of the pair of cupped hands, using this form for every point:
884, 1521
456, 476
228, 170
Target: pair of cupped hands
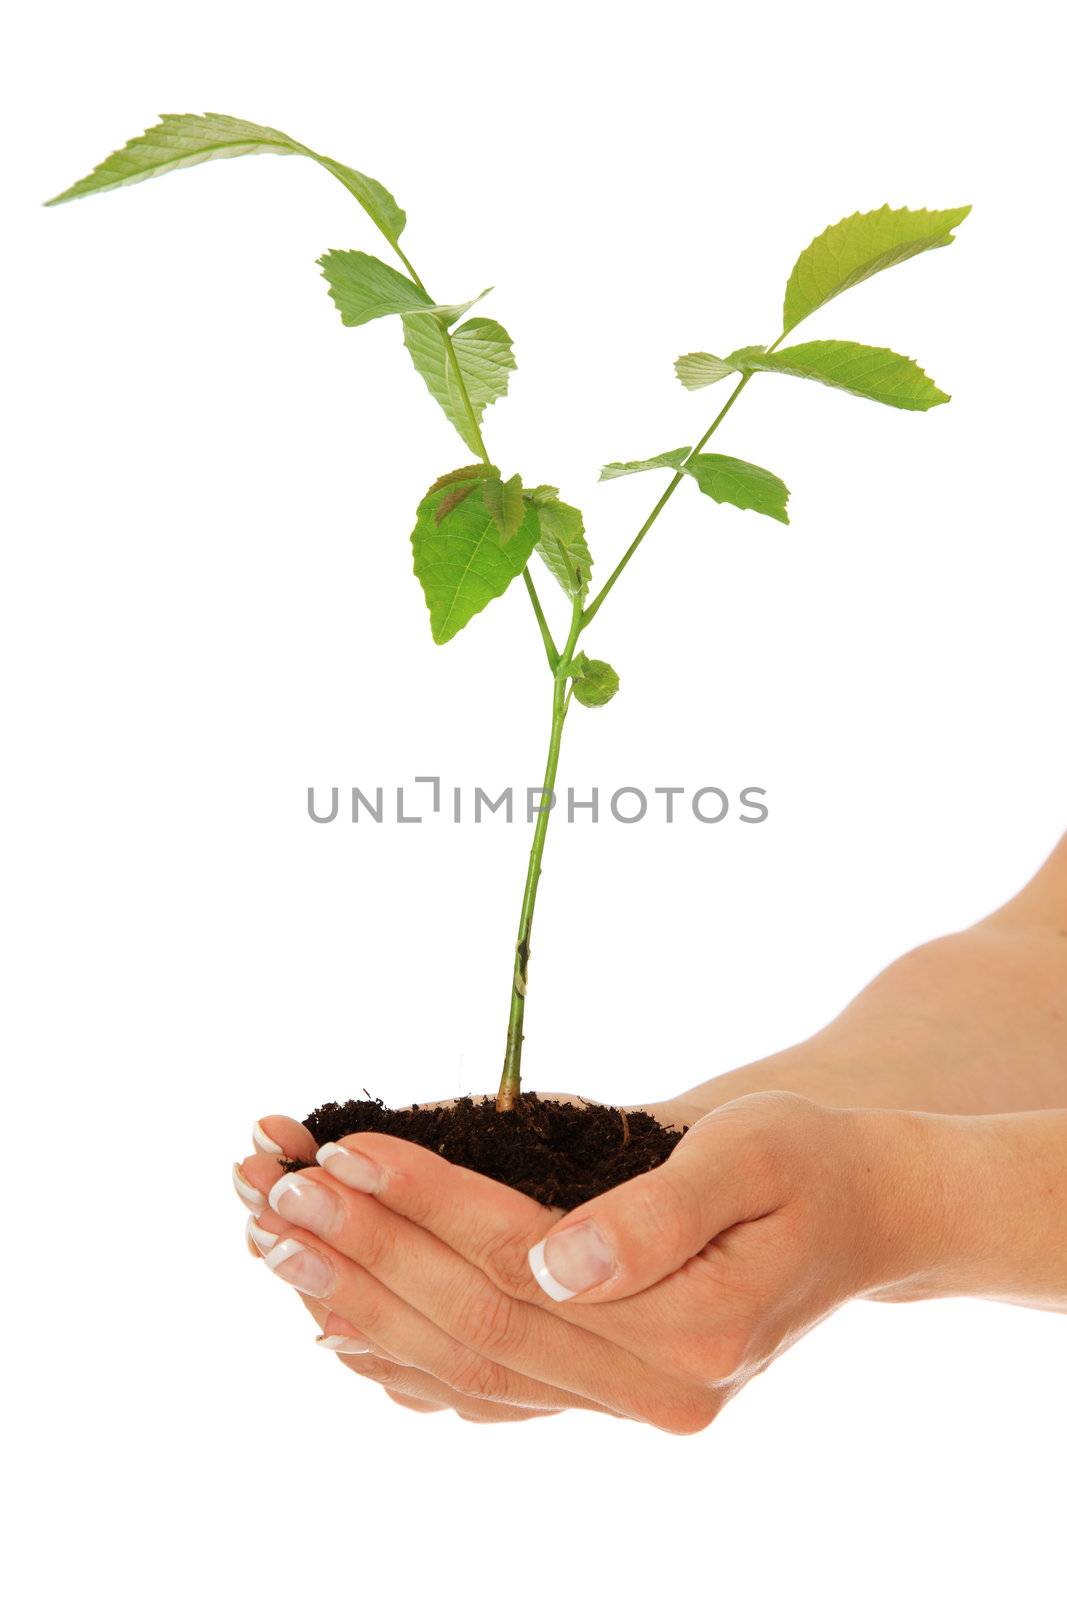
657, 1301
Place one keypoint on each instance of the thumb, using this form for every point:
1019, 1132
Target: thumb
645, 1229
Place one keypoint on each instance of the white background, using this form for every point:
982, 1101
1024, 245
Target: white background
208, 605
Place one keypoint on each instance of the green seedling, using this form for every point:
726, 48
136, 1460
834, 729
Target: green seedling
477, 528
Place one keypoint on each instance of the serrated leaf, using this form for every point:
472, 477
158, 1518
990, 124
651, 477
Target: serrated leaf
505, 505
562, 545
739, 483
595, 682
857, 247
462, 563
363, 288
697, 370
622, 469
185, 141
476, 469
483, 350
861, 369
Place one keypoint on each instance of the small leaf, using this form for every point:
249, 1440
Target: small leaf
698, 370
861, 369
477, 469
505, 505
461, 563
622, 469
185, 141
543, 493
362, 288
562, 545
595, 682
483, 351
738, 360
859, 246
739, 483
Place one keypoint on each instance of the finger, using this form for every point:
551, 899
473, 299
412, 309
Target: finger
283, 1138
400, 1333
413, 1405
489, 1224
429, 1394
643, 1231
419, 1390
499, 1338
253, 1179
274, 1139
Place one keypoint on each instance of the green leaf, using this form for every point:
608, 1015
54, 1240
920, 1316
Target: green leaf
595, 682
698, 370
739, 483
462, 563
861, 369
185, 141
562, 544
543, 493
724, 478
505, 505
737, 360
476, 469
859, 246
362, 288
483, 351
622, 469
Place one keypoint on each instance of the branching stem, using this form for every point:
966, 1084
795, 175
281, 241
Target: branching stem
559, 663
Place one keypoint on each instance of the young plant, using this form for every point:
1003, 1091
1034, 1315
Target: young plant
477, 527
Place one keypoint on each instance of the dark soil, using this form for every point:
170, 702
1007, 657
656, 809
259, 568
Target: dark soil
558, 1154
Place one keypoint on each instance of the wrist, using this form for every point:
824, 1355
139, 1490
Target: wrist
965, 1205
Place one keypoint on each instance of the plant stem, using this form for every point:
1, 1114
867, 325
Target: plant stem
508, 1093
559, 664
592, 610
550, 649
659, 505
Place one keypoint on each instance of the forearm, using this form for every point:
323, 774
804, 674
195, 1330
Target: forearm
973, 1023
968, 1205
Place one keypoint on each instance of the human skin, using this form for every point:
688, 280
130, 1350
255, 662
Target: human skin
916, 1147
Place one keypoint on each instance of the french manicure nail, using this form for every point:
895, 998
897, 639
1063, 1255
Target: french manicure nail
309, 1204
264, 1143
260, 1237
351, 1168
253, 1198
342, 1344
305, 1269
571, 1261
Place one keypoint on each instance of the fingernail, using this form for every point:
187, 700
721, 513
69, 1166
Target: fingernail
264, 1143
351, 1168
566, 1263
253, 1198
260, 1237
342, 1344
305, 1269
309, 1204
